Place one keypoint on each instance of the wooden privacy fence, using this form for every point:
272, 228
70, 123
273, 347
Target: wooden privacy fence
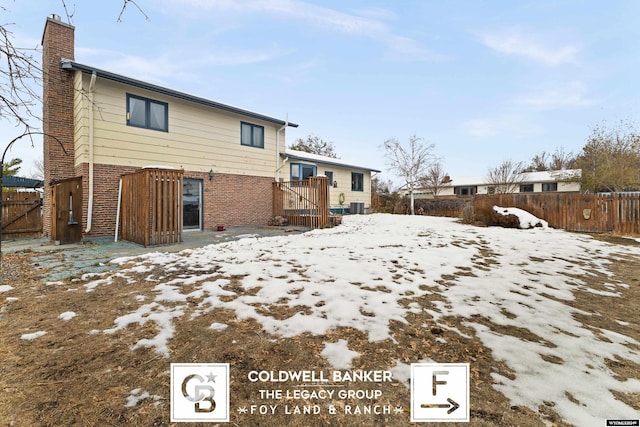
151, 207
304, 203
21, 214
618, 213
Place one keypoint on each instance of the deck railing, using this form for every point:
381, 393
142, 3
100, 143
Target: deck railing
304, 203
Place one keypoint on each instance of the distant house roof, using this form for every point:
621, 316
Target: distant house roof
18, 182
71, 65
316, 158
529, 177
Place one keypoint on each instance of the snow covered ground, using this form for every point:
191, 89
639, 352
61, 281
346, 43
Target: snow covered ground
356, 274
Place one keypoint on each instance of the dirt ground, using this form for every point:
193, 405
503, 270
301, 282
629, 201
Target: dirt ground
70, 377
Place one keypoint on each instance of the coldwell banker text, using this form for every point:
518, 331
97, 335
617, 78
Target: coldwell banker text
319, 376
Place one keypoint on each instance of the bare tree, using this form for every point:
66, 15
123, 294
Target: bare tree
19, 74
558, 160
38, 173
435, 178
506, 177
409, 162
610, 160
314, 145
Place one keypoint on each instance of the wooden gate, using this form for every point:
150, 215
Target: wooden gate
151, 207
66, 210
21, 214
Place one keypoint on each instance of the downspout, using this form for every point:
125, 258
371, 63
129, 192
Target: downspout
118, 209
92, 84
286, 123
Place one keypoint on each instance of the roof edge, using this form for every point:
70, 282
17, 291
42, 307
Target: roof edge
68, 64
328, 161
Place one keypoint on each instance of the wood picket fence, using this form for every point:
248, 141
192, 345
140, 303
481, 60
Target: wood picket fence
21, 214
617, 213
151, 207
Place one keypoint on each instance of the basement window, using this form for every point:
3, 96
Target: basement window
147, 113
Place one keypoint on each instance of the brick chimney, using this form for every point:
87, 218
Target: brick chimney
57, 108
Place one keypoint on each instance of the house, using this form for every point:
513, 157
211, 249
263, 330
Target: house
349, 184
100, 125
529, 182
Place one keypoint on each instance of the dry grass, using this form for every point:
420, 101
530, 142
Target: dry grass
72, 377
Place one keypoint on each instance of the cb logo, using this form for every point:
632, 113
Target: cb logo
199, 392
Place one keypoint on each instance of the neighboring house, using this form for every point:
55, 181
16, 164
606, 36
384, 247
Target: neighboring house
100, 125
531, 182
348, 183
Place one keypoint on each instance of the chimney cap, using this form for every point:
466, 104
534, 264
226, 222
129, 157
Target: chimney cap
55, 17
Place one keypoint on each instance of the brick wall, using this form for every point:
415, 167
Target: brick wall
232, 200
57, 109
106, 180
229, 200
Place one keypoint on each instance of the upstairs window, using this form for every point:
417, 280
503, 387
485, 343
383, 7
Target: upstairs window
251, 135
147, 113
357, 181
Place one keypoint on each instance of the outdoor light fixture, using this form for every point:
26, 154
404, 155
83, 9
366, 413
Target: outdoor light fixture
211, 175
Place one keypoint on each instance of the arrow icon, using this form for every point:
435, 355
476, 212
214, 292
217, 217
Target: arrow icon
452, 405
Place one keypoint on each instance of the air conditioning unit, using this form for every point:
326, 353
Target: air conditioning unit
356, 208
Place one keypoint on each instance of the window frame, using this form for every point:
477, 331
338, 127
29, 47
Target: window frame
546, 185
147, 113
301, 167
526, 188
459, 190
329, 174
252, 126
354, 181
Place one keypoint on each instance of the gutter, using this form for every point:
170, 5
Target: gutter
92, 85
286, 123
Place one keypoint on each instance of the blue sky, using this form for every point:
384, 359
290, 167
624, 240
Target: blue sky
484, 81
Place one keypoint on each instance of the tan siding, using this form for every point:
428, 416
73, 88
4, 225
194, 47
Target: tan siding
342, 176
199, 138
81, 120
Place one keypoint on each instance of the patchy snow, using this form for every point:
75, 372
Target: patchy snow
218, 326
136, 395
361, 274
32, 336
339, 355
527, 220
67, 315
11, 299
5, 288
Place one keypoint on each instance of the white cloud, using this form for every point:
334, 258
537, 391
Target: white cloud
363, 23
516, 42
509, 124
172, 64
571, 94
